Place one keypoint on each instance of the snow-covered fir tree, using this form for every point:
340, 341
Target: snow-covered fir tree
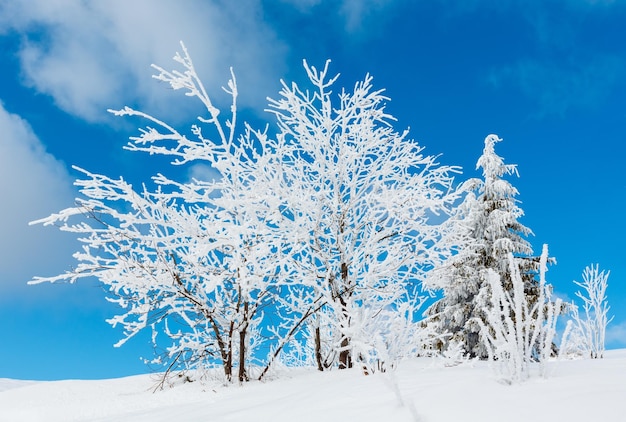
488, 224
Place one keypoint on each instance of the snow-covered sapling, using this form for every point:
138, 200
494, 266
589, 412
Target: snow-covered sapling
519, 329
591, 328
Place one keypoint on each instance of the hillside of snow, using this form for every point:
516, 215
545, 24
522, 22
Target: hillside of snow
419, 390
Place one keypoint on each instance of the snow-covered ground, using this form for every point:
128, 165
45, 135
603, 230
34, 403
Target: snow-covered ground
423, 390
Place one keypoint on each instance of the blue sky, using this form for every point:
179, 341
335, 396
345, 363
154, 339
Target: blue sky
549, 77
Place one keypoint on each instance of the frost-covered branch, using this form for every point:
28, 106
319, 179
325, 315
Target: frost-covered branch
220, 150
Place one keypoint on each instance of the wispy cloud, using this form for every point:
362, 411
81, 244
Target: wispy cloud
556, 88
357, 12
455, 6
561, 63
32, 185
354, 15
90, 56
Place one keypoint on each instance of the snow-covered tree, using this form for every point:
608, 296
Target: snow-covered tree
487, 231
324, 231
518, 329
194, 262
591, 328
364, 204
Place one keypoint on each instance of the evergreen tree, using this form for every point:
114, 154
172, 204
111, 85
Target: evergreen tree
487, 222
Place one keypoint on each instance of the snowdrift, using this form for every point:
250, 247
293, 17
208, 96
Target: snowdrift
419, 390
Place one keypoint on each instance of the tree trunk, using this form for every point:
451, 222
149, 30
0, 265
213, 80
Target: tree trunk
345, 357
318, 349
228, 364
243, 331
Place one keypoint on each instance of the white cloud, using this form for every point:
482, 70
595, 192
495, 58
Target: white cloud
204, 173
32, 185
90, 56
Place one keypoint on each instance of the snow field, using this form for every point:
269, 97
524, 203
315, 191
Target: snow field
422, 389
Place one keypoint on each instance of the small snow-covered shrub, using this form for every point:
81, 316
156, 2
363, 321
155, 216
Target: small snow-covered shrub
590, 330
573, 345
518, 331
